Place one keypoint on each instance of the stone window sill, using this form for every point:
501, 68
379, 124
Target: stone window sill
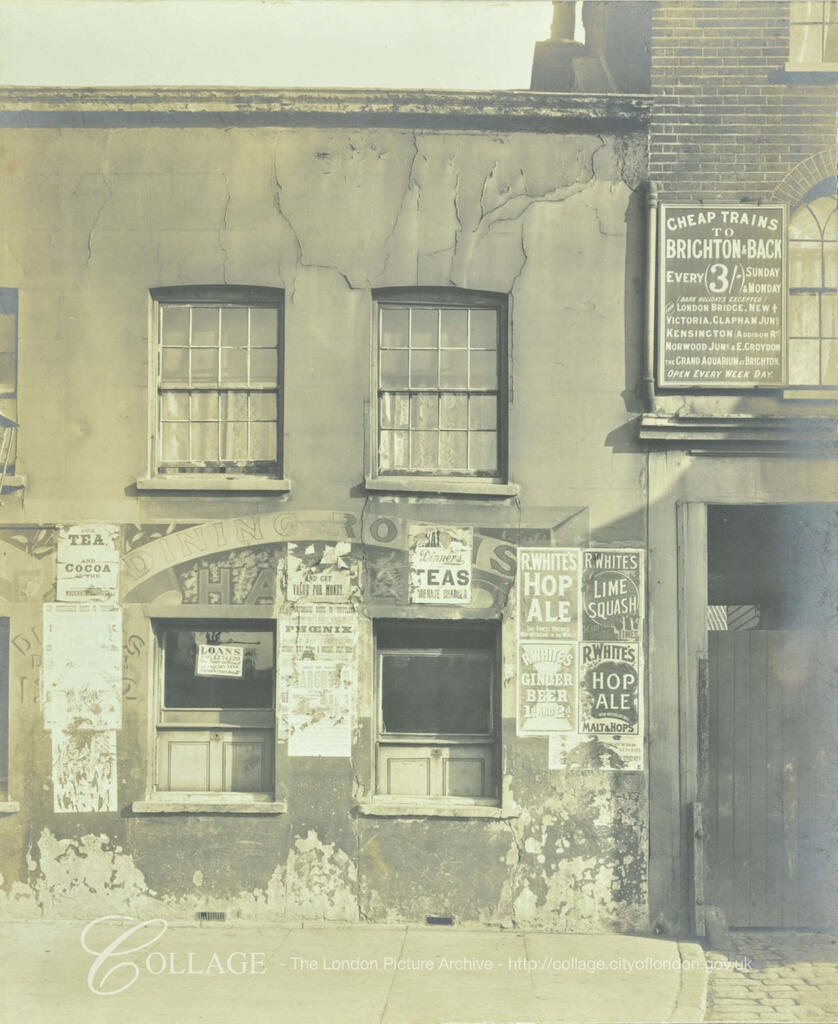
441, 485
812, 69
205, 482
435, 808
814, 394
9, 806
14, 483
211, 803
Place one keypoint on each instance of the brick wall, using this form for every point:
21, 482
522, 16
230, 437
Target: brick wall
729, 122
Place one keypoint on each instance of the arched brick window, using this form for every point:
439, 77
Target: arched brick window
813, 287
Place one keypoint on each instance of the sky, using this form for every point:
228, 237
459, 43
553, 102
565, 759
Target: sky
419, 44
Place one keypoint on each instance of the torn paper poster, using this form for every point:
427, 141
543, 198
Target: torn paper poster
320, 714
82, 666
88, 563
609, 753
84, 771
318, 649
320, 571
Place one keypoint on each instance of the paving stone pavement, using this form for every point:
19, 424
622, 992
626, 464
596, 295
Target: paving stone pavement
767, 975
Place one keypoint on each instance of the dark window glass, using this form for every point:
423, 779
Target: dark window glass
184, 688
437, 679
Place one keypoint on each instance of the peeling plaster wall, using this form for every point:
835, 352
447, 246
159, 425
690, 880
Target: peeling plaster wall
90, 221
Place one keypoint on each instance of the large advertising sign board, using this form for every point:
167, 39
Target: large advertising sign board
722, 296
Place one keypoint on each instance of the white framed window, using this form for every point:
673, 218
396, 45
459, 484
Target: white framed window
813, 34
215, 719
440, 384
438, 713
813, 289
218, 381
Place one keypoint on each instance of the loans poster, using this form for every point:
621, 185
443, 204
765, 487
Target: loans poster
440, 564
612, 594
548, 593
547, 687
88, 563
220, 660
82, 668
319, 571
318, 677
722, 296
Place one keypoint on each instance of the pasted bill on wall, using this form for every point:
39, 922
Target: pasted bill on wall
440, 564
318, 676
82, 702
88, 563
580, 632
318, 570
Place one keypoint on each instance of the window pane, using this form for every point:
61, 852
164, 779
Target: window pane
8, 332
830, 41
204, 365
423, 369
453, 450
424, 412
829, 361
394, 328
441, 693
804, 361
483, 369
183, 688
830, 266
264, 324
483, 412
263, 442
804, 224
484, 328
482, 451
234, 364
234, 441
175, 325
805, 44
454, 328
262, 405
205, 325
263, 366
234, 327
424, 328
803, 316
204, 405
805, 264
828, 325
175, 406
395, 410
173, 442
453, 410
174, 366
205, 442
453, 368
8, 375
393, 369
393, 450
424, 449
234, 404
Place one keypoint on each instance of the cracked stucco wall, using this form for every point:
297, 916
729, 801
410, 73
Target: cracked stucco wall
90, 220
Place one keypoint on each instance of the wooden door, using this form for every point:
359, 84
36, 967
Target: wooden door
769, 777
